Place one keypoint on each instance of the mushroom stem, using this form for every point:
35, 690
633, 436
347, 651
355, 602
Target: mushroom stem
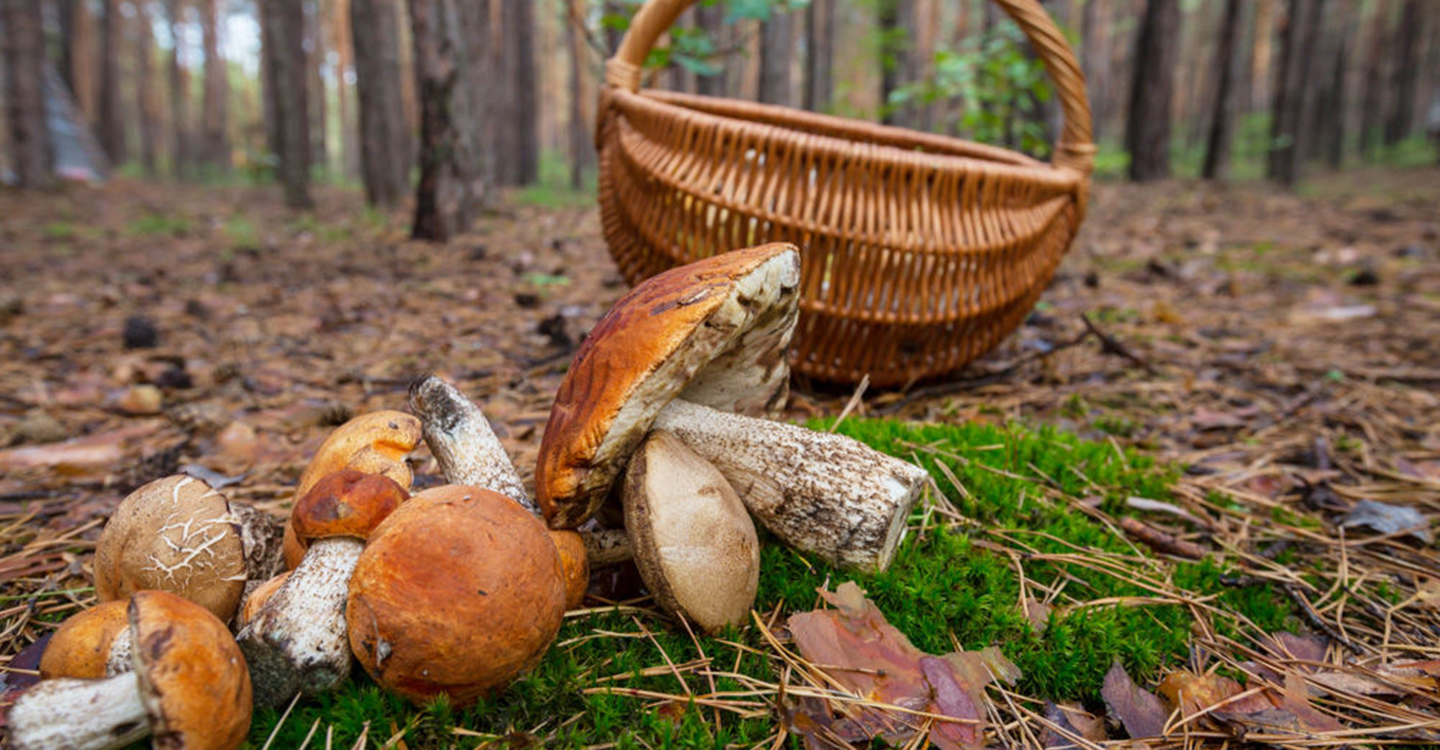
72, 714
818, 492
606, 546
463, 442
297, 641
118, 662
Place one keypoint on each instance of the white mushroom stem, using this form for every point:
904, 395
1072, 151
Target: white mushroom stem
818, 492
463, 442
72, 714
118, 662
297, 641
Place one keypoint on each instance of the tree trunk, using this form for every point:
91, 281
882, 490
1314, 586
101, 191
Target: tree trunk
81, 60
314, 49
1405, 69
518, 163
286, 19
24, 49
582, 144
888, 20
338, 22
215, 150
1373, 106
1147, 132
1095, 57
776, 52
112, 122
145, 100
65, 20
1261, 57
711, 20
384, 138
1289, 124
449, 188
1217, 147
180, 151
1329, 120
819, 54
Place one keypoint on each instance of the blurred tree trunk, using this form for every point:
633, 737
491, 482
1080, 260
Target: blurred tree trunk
1289, 126
819, 54
1261, 57
518, 161
314, 47
1147, 132
448, 193
112, 122
289, 109
145, 99
1406, 69
888, 20
582, 144
1217, 147
1373, 106
613, 33
385, 146
214, 147
1095, 57
711, 20
268, 40
339, 26
24, 51
776, 52
65, 11
78, 57
180, 151
1331, 121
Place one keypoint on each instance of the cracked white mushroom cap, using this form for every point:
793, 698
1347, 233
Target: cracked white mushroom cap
712, 332
179, 535
188, 688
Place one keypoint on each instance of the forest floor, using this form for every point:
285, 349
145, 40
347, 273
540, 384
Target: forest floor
1282, 350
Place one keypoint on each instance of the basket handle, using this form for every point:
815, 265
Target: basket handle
1075, 149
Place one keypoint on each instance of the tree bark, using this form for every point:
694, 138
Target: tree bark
180, 151
112, 123
449, 188
1217, 147
286, 19
1331, 121
338, 23
1405, 69
776, 52
711, 20
518, 162
1373, 102
65, 19
314, 49
384, 138
82, 61
214, 147
24, 50
1290, 122
1095, 57
582, 144
819, 55
1147, 131
888, 20
145, 100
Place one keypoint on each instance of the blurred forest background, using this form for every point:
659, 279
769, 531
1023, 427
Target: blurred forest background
448, 101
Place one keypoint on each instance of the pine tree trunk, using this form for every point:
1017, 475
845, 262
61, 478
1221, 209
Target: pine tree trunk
819, 54
384, 138
711, 20
1147, 132
24, 50
1329, 124
1406, 69
1293, 92
1217, 147
888, 20
314, 49
449, 189
1373, 102
776, 52
338, 23
1095, 57
145, 100
112, 123
582, 144
286, 19
519, 159
65, 20
180, 151
216, 151
84, 61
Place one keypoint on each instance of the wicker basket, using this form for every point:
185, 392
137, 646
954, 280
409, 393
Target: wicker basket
920, 252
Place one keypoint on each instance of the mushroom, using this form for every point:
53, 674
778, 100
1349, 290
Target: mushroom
257, 598
178, 534
295, 642
699, 351
374, 443
458, 592
91, 644
188, 688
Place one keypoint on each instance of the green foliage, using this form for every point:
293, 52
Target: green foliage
160, 225
241, 233
60, 231
553, 190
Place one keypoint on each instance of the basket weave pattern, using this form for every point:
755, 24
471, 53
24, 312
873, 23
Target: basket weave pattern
919, 252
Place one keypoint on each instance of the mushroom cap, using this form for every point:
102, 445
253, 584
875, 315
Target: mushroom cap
375, 443
81, 645
574, 565
257, 598
348, 503
693, 540
458, 592
713, 332
175, 534
193, 680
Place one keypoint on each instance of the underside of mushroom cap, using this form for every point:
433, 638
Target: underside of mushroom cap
714, 332
193, 679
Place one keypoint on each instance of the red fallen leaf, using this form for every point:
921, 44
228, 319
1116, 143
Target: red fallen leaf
1139, 710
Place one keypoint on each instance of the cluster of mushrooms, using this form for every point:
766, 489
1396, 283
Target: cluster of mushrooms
657, 450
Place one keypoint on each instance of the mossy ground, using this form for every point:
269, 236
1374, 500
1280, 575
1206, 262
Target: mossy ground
952, 583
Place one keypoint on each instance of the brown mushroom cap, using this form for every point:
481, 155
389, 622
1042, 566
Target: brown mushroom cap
81, 645
373, 443
713, 332
458, 592
348, 503
178, 535
574, 565
193, 680
693, 540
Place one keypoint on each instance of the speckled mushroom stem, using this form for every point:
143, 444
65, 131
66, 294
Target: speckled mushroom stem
71, 714
818, 492
119, 662
260, 537
297, 641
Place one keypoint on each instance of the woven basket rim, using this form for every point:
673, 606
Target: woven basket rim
1020, 166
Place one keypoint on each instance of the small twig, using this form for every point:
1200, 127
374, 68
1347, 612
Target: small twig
1161, 541
1311, 616
853, 402
1112, 345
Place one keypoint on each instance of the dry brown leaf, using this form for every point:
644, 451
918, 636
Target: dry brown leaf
1073, 719
1142, 714
79, 456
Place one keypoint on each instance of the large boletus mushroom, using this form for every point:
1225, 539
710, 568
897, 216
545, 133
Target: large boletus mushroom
458, 592
700, 351
90, 644
373, 443
188, 687
180, 535
296, 641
